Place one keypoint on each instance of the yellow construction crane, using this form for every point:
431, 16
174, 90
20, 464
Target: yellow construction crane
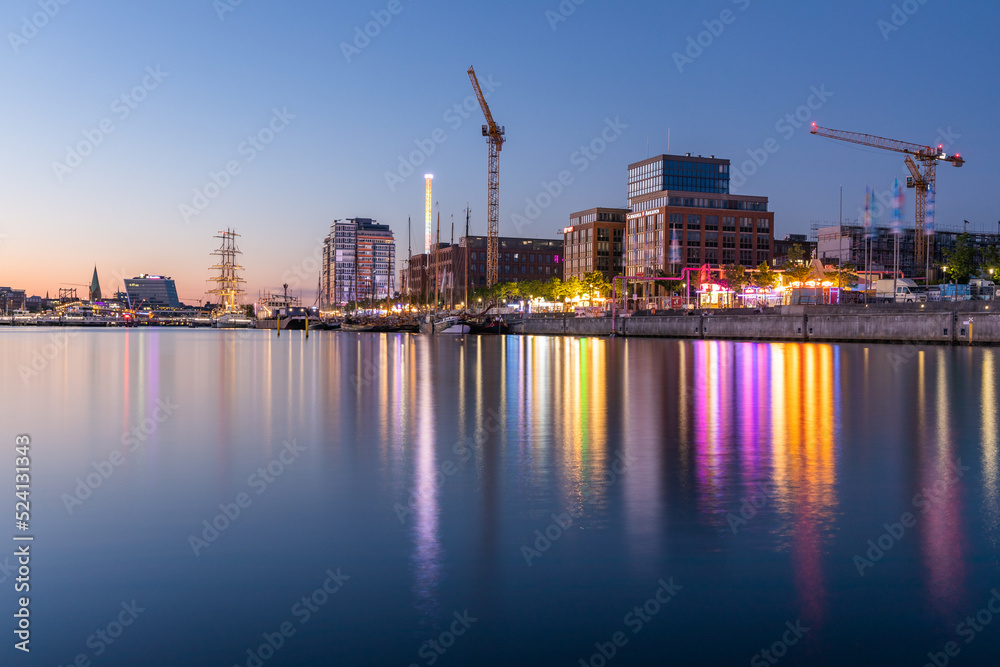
495, 136
927, 155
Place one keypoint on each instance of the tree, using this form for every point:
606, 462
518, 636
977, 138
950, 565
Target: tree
671, 287
798, 273
764, 278
596, 285
796, 254
990, 266
961, 260
572, 288
845, 276
735, 276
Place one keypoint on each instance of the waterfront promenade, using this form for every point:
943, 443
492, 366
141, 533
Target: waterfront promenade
947, 323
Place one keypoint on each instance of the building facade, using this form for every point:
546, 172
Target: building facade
594, 241
149, 290
443, 272
682, 203
782, 246
12, 299
846, 245
359, 262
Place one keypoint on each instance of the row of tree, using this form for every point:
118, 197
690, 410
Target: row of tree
966, 261
594, 285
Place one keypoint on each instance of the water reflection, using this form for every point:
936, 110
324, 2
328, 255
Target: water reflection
990, 434
427, 552
942, 534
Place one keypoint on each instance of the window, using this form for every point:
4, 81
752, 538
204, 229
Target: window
694, 238
729, 240
694, 222
711, 222
746, 241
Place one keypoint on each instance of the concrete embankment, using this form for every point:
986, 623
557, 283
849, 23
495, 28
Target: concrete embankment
976, 323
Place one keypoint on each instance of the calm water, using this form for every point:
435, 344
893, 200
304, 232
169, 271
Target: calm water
515, 501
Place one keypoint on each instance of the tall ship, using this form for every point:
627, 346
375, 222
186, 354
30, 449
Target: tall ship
228, 314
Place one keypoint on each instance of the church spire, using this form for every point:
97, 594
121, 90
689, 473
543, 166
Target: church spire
95, 287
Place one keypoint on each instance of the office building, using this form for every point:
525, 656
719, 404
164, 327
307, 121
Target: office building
148, 290
594, 241
684, 202
520, 260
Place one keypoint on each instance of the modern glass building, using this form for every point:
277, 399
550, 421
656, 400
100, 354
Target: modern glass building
148, 290
684, 202
682, 173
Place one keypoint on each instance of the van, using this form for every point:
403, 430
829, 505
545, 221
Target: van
900, 290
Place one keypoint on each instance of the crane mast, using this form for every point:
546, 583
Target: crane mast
928, 156
495, 136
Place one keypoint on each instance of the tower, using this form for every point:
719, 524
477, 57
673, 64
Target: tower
428, 223
95, 287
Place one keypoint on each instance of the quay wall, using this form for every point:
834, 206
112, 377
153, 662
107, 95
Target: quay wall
957, 327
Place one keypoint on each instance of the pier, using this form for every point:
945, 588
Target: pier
961, 323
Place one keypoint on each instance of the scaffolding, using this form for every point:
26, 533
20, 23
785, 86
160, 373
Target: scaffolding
228, 281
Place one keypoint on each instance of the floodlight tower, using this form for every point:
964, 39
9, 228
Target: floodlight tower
428, 223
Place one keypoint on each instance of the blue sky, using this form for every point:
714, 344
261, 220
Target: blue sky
201, 76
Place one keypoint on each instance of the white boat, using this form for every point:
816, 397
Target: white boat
452, 324
232, 321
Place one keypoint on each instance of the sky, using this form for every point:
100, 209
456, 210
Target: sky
134, 132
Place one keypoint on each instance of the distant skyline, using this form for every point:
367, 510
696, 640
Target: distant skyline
135, 132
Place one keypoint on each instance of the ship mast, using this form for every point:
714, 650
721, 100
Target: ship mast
228, 282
